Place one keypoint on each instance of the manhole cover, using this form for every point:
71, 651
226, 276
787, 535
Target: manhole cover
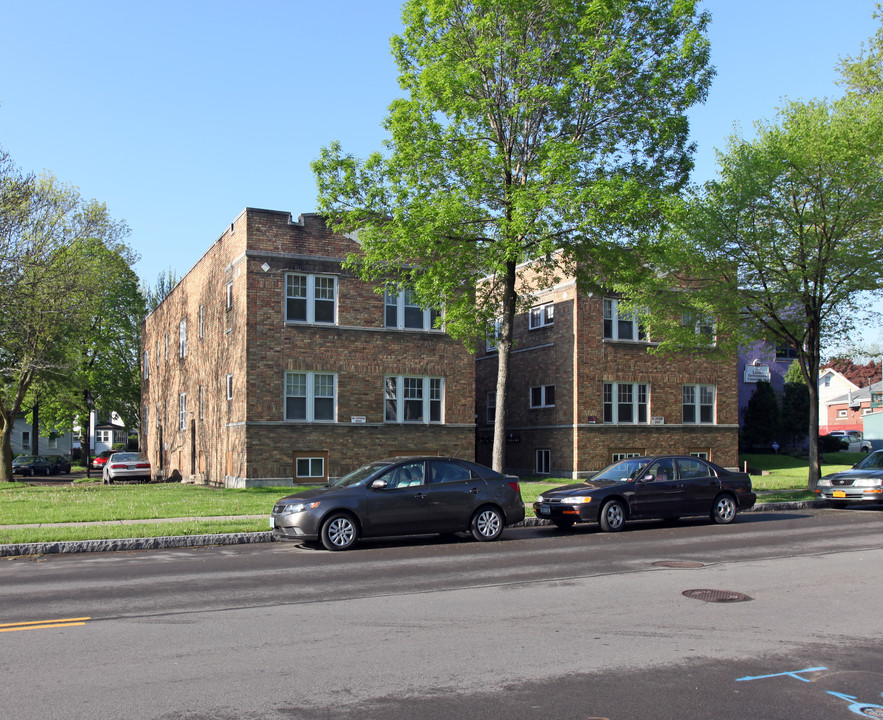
678, 564
874, 712
720, 596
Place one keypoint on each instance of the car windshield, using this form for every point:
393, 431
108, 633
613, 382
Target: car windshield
871, 462
623, 471
126, 457
25, 459
357, 477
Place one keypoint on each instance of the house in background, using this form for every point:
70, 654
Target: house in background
848, 412
102, 435
833, 386
584, 391
48, 443
269, 363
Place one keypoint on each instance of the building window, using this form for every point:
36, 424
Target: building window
867, 411
786, 352
157, 353
310, 298
310, 397
625, 403
702, 325
201, 403
493, 336
229, 386
544, 462
182, 339
146, 364
621, 325
182, 411
228, 291
698, 404
26, 439
402, 311
626, 455
310, 467
542, 316
412, 399
701, 454
542, 396
842, 413
201, 320
491, 406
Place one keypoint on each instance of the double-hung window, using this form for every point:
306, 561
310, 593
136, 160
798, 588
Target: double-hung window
146, 364
542, 396
621, 324
182, 411
698, 404
625, 403
542, 316
182, 339
491, 405
310, 396
402, 311
493, 335
310, 298
412, 399
702, 325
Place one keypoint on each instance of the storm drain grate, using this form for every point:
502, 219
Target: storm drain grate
678, 564
719, 596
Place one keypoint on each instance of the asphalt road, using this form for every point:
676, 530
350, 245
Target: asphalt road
540, 625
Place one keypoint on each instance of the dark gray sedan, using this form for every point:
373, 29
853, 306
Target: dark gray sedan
668, 486
863, 483
404, 496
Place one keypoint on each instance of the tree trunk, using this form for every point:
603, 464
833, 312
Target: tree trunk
6, 423
504, 349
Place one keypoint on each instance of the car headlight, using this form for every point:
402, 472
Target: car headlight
866, 482
299, 507
825, 482
541, 499
578, 500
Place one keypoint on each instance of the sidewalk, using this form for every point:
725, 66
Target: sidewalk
180, 541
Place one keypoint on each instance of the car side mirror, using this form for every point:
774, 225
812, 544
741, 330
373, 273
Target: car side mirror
646, 478
379, 484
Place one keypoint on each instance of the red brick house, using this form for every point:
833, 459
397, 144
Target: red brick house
584, 391
270, 363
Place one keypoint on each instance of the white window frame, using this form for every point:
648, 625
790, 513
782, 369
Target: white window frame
26, 440
543, 461
406, 311
315, 387
182, 411
201, 402
492, 336
201, 320
842, 413
228, 295
618, 321
182, 339
229, 386
617, 456
700, 454
146, 364
616, 395
542, 316
310, 474
543, 392
315, 286
694, 397
702, 325
410, 399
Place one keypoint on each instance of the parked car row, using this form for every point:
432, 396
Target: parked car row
422, 495
31, 465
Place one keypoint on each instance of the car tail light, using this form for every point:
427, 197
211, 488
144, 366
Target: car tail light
515, 486
117, 466
141, 466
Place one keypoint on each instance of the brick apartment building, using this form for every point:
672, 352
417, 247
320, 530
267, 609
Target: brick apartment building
269, 363
583, 392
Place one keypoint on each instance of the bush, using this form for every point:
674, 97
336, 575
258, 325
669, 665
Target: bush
832, 443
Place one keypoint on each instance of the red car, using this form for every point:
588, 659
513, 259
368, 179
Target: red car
100, 460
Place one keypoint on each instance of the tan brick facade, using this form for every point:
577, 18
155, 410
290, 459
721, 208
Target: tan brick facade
571, 355
239, 338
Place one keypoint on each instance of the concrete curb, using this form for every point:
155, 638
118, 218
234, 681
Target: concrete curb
182, 541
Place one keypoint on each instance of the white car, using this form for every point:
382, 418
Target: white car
126, 466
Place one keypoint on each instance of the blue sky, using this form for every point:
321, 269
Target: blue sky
180, 114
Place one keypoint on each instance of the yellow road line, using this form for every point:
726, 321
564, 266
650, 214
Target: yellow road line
43, 624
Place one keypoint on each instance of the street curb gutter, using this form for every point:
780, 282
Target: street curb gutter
183, 541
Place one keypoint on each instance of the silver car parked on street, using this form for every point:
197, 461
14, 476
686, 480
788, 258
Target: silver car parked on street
862, 483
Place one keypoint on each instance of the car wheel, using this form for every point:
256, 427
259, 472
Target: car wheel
612, 518
339, 532
31, 472
723, 511
563, 524
487, 524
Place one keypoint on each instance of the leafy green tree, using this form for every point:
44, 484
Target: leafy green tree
47, 289
156, 293
760, 417
795, 406
541, 130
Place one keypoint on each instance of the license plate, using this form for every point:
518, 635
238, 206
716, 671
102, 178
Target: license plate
272, 524
543, 509
839, 493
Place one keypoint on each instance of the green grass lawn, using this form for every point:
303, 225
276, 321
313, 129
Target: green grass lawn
21, 503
